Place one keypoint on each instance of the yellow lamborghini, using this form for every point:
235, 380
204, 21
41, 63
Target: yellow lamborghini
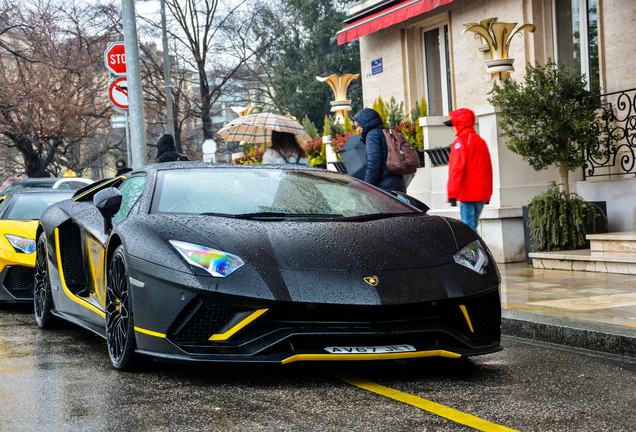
19, 214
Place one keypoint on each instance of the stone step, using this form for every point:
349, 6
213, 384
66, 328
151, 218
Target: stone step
620, 244
585, 260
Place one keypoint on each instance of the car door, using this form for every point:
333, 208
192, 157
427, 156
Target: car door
131, 191
82, 245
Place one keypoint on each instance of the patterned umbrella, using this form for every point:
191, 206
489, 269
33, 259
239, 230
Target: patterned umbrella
257, 128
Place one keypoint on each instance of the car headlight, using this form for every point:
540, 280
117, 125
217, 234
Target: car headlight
21, 244
215, 262
473, 256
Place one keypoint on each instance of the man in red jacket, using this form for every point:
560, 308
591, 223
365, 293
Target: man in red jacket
469, 168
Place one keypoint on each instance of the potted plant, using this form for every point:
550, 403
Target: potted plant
552, 119
555, 221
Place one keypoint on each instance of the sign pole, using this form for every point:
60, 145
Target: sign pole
166, 72
128, 155
133, 73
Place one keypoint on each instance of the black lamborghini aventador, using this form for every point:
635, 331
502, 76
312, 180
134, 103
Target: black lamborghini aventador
199, 262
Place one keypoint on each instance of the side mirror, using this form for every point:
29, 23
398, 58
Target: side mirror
108, 202
411, 201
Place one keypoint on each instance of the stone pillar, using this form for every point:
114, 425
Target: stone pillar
429, 183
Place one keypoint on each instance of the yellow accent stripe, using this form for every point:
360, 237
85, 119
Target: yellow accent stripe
68, 292
465, 312
426, 405
149, 332
231, 332
386, 356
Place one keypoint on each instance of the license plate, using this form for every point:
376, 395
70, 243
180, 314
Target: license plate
382, 349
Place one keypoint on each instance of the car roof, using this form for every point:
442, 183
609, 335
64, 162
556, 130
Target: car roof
35, 180
72, 180
195, 164
41, 191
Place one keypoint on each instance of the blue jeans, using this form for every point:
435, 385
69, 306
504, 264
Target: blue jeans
469, 212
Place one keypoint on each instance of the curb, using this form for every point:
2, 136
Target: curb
612, 339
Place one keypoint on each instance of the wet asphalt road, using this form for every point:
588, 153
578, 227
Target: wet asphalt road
62, 380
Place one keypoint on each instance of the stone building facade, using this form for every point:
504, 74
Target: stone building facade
411, 49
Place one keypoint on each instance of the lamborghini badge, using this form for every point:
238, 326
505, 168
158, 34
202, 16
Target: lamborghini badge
372, 280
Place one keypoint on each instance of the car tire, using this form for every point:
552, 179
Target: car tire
120, 333
42, 296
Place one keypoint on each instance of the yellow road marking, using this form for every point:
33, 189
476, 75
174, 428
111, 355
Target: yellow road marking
426, 405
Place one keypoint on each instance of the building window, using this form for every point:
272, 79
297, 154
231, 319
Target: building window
437, 70
577, 37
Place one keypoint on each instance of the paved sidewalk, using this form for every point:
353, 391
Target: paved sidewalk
595, 311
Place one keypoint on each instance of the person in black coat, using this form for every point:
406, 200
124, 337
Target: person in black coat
369, 122
122, 167
166, 151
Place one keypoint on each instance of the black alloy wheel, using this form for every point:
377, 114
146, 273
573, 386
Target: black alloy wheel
120, 336
42, 298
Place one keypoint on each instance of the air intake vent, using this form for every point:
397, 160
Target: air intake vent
200, 320
19, 282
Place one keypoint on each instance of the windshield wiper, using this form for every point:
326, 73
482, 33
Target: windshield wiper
282, 215
217, 214
375, 216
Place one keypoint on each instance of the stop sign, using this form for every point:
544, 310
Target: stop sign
115, 58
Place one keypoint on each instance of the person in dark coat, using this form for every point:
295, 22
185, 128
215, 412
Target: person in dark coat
122, 167
369, 122
166, 151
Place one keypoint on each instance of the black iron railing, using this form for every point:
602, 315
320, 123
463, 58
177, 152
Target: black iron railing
619, 154
438, 155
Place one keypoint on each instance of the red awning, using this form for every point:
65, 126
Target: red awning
387, 17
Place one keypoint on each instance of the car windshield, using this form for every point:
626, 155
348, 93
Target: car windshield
43, 184
31, 206
237, 192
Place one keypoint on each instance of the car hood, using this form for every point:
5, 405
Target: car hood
399, 242
23, 228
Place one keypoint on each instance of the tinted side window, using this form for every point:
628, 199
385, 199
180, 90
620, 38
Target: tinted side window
65, 186
131, 190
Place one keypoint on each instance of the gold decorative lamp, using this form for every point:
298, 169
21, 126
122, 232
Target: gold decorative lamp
498, 37
339, 85
243, 111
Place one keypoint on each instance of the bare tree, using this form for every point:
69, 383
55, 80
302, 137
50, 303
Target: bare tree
212, 42
53, 83
182, 82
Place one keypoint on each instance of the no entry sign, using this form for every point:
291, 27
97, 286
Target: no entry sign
115, 58
118, 93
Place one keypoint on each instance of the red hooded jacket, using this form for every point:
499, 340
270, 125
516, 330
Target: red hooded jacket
469, 166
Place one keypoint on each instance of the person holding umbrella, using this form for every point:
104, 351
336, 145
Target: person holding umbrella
285, 150
259, 128
370, 125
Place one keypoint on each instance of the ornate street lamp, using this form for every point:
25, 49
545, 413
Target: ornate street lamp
339, 85
243, 111
498, 36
